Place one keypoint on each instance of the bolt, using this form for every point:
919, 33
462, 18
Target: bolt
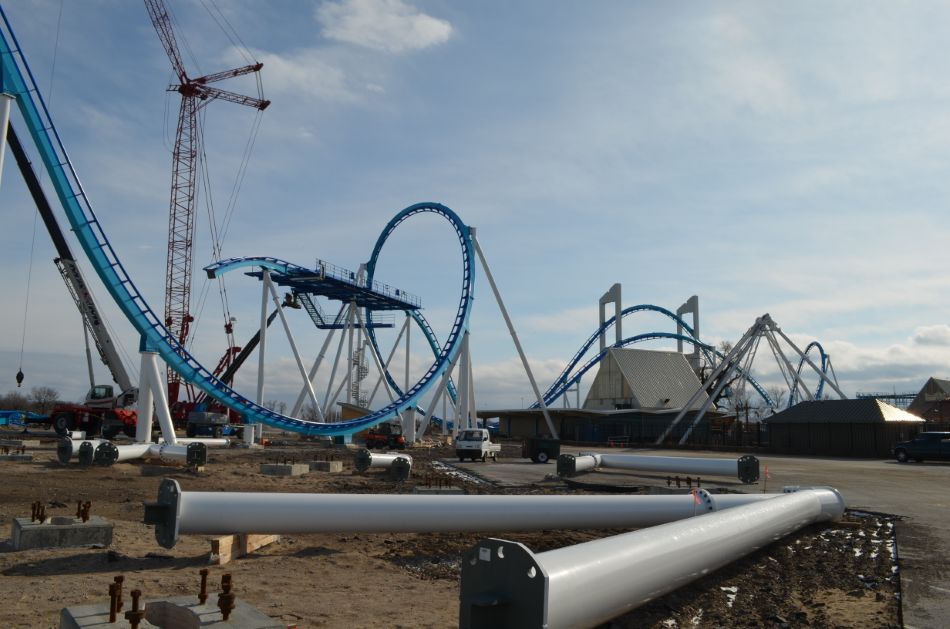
203, 594
78, 509
119, 604
697, 481
677, 481
669, 481
689, 482
113, 601
226, 598
135, 615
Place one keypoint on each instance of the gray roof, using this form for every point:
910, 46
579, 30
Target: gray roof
862, 411
657, 379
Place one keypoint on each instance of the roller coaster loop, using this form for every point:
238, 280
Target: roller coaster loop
18, 81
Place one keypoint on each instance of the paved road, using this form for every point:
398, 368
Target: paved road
918, 492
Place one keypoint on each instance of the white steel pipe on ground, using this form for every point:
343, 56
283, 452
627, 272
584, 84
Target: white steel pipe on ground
211, 442
745, 468
504, 584
365, 459
66, 449
192, 454
223, 513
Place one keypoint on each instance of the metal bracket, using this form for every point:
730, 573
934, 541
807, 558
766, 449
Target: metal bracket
165, 514
502, 585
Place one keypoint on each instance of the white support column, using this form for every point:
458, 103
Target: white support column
409, 416
514, 336
797, 382
143, 425
265, 275
472, 420
611, 296
376, 361
462, 397
293, 346
349, 353
5, 101
153, 377
298, 405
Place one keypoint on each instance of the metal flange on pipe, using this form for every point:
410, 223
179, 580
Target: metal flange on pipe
192, 454
745, 468
83, 449
504, 584
178, 512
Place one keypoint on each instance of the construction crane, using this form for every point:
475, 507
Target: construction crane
195, 94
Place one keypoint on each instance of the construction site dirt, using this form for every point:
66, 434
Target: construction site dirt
831, 575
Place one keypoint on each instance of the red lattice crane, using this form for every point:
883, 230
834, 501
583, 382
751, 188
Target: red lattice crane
195, 94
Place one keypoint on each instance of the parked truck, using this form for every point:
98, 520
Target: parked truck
386, 436
475, 443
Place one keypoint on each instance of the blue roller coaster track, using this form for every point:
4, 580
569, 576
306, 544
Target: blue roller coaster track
793, 395
17, 79
569, 377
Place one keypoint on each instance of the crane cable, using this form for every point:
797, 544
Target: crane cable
29, 272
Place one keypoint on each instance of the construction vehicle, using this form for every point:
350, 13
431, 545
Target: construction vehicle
541, 449
475, 443
387, 436
104, 411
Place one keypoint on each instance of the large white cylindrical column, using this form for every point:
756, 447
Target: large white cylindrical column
365, 459
67, 449
223, 513
504, 584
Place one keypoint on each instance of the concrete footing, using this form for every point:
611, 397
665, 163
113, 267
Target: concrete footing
284, 469
16, 457
181, 612
60, 532
326, 466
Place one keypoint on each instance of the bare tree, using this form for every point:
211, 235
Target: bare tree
42, 399
276, 405
14, 401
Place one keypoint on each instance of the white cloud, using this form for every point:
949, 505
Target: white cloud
386, 25
307, 74
932, 335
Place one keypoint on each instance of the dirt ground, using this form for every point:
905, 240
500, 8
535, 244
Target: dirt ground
839, 575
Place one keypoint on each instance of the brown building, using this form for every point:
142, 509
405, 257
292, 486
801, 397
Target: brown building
933, 402
862, 428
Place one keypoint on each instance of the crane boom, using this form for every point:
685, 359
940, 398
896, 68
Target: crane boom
69, 269
195, 94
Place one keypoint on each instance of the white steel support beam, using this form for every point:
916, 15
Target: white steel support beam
146, 408
504, 584
372, 350
293, 346
611, 296
5, 101
802, 355
462, 397
336, 363
514, 335
154, 379
349, 352
797, 382
298, 405
730, 360
389, 360
221, 513
261, 346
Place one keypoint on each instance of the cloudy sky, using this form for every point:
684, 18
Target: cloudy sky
778, 157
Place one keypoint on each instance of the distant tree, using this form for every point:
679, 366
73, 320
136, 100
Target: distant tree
276, 405
777, 394
14, 401
42, 399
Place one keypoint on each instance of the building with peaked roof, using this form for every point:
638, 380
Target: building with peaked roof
933, 401
641, 379
633, 398
861, 427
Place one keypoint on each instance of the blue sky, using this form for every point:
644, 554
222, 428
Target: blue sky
776, 157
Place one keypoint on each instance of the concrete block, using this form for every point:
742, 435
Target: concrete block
60, 532
451, 491
284, 469
326, 466
16, 457
181, 612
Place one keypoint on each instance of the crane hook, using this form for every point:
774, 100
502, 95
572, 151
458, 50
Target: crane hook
19, 378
